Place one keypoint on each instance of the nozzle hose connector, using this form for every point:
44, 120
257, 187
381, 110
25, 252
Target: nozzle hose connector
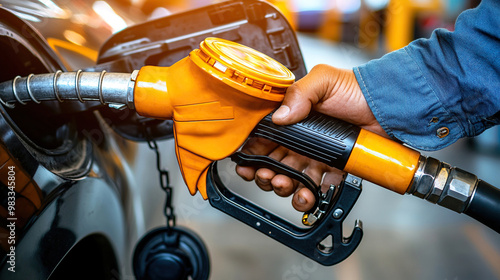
438, 182
113, 89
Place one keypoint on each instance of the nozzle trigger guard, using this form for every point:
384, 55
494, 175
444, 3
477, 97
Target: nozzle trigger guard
308, 241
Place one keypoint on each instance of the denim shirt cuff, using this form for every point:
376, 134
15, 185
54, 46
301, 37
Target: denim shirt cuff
405, 104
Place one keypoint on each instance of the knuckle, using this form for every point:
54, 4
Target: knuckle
321, 67
280, 189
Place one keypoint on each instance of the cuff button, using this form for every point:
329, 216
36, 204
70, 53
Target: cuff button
442, 132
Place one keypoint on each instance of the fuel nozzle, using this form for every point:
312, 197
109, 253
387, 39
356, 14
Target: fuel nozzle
223, 92
215, 97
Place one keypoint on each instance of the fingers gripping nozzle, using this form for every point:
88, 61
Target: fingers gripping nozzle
112, 89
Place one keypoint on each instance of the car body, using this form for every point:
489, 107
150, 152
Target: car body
71, 192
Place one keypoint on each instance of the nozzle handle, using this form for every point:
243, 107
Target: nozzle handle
318, 137
347, 147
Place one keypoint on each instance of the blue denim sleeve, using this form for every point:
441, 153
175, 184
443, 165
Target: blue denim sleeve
437, 90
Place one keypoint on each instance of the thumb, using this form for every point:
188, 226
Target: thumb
301, 97
295, 108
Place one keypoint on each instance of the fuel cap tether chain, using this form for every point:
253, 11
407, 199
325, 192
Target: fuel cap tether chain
164, 183
169, 252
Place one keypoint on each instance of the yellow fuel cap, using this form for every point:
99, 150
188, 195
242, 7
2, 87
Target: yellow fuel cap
243, 68
215, 97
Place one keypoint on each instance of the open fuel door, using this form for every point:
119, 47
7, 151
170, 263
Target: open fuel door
164, 41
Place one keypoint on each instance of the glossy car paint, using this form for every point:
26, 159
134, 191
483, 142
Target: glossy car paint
77, 165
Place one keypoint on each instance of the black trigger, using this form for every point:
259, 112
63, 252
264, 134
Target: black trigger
260, 161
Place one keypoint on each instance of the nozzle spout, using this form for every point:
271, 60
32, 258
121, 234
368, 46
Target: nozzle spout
113, 89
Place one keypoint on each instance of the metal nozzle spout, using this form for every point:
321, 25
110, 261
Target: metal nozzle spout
113, 89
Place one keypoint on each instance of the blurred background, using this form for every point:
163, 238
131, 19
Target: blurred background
405, 237
374, 26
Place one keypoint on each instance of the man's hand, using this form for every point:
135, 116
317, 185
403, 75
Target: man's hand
328, 90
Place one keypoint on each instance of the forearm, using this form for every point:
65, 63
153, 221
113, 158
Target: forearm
437, 90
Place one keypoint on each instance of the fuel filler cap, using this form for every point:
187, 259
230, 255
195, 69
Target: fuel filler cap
243, 68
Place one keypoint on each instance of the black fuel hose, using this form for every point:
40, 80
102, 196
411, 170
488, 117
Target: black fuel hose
485, 205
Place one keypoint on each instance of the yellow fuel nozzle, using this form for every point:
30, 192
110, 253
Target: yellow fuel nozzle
218, 95
215, 97
225, 91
